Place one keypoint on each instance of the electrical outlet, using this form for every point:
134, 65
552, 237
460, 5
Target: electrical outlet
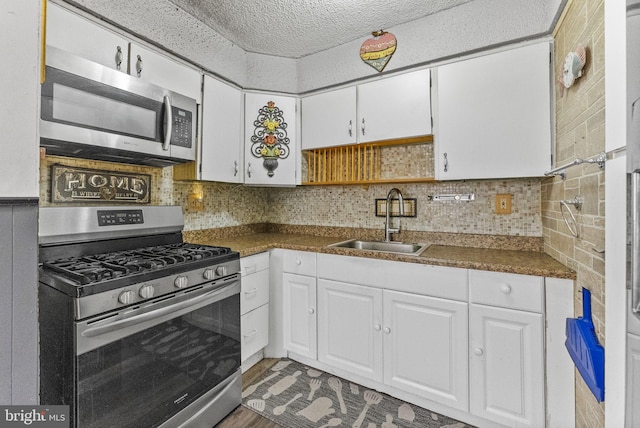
196, 202
503, 203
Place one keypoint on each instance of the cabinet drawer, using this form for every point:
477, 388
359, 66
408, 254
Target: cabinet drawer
300, 262
507, 290
254, 263
255, 331
255, 291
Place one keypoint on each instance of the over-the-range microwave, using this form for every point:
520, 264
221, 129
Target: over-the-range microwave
94, 112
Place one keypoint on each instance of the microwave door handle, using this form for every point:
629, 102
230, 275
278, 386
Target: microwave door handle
168, 123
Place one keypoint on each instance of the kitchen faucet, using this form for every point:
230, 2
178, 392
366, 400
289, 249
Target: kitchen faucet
388, 230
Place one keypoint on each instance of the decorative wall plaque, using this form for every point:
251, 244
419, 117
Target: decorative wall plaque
410, 209
69, 185
269, 140
377, 51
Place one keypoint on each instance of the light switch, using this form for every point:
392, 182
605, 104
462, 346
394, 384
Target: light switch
503, 203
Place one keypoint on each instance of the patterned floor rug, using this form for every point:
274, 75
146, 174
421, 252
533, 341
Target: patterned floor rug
296, 396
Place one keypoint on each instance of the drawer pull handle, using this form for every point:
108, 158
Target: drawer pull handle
506, 289
298, 262
377, 327
250, 269
312, 311
250, 292
387, 330
478, 352
253, 333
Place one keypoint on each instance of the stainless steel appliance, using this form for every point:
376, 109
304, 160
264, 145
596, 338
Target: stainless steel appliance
94, 112
137, 328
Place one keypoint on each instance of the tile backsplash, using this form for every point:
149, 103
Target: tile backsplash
345, 206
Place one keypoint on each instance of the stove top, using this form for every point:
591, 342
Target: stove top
118, 264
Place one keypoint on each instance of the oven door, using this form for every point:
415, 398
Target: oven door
140, 367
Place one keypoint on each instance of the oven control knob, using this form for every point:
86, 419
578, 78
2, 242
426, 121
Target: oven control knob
209, 274
181, 282
146, 291
221, 270
127, 297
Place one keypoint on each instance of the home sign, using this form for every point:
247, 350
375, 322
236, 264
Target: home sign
70, 185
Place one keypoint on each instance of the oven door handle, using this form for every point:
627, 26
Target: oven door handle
123, 325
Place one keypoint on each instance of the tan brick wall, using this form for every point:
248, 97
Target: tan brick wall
580, 129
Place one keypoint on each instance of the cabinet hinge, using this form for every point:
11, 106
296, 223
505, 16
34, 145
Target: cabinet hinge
200, 168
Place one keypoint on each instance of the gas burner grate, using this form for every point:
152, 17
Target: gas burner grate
105, 266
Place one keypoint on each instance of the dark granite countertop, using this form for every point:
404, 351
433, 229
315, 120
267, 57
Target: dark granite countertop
490, 259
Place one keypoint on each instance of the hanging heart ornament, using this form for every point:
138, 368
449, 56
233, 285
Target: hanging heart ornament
377, 51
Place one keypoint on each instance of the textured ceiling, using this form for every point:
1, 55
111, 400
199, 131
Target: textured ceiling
297, 28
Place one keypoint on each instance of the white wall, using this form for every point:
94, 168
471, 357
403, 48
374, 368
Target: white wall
19, 85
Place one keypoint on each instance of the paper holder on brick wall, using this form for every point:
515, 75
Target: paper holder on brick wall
572, 224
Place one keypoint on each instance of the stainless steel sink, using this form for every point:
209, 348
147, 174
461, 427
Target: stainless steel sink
387, 247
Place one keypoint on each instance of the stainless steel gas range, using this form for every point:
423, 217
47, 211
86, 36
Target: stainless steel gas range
137, 328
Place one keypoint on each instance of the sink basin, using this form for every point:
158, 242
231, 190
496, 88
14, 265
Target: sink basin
387, 247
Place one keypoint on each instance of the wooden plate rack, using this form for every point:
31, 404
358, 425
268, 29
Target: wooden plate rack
355, 164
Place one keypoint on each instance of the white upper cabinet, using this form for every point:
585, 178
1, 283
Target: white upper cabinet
167, 73
75, 34
395, 107
270, 140
384, 109
492, 115
84, 38
222, 129
329, 119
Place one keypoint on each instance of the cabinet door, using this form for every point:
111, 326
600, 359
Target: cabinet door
299, 295
165, 72
222, 128
270, 161
493, 115
425, 347
350, 328
633, 380
395, 107
507, 366
329, 119
79, 36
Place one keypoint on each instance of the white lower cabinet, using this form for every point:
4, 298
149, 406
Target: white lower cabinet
299, 321
411, 342
507, 358
299, 303
349, 328
507, 366
254, 304
425, 347
473, 342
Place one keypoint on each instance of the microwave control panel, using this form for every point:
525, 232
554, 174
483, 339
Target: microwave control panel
181, 134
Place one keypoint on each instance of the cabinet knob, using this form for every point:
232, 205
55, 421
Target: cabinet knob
119, 57
387, 330
478, 352
139, 66
312, 311
377, 327
298, 262
505, 288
